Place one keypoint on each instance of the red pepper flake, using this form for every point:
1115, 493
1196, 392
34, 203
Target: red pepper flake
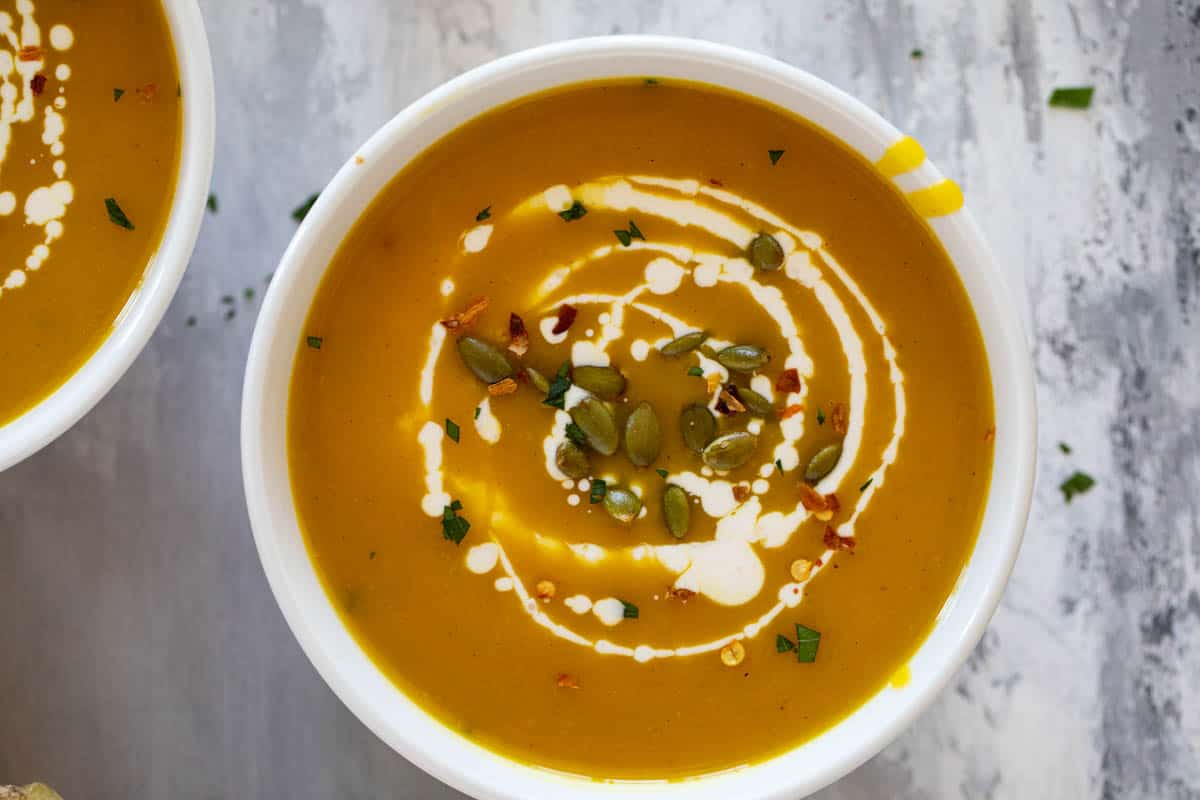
37, 84
682, 595
147, 92
30, 52
566, 318
791, 410
741, 493
565, 681
518, 337
834, 541
730, 401
990, 434
812, 500
715, 182
464, 318
502, 387
788, 381
839, 417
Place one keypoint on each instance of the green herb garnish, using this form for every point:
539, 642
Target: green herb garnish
227, 299
1078, 483
576, 434
623, 237
191, 322
1066, 448
248, 294
775, 156
863, 488
454, 527
315, 342
574, 212
212, 203
118, 94
301, 211
478, 411
230, 314
662, 473
779, 465
630, 612
917, 53
485, 214
599, 489
783, 644
557, 396
1072, 97
452, 429
116, 215
820, 416
807, 642
696, 372
634, 232
650, 81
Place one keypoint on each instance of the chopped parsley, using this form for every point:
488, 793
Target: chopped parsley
662, 473
301, 211
863, 488
820, 416
1072, 97
650, 81
630, 612
623, 237
454, 527
315, 342
1066, 448
599, 489
191, 322
696, 372
557, 396
212, 203
452, 429
917, 53
779, 465
783, 644
478, 411
118, 94
227, 299
576, 434
574, 212
1078, 483
807, 642
248, 294
116, 215
775, 155
485, 214
634, 232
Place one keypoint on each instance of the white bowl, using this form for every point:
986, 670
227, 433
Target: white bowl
343, 664
49, 419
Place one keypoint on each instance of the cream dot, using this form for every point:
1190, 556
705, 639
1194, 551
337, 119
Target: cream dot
8, 203
62, 72
61, 37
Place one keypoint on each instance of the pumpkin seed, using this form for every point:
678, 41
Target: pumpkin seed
485, 360
765, 252
604, 382
743, 357
642, 435
730, 451
598, 424
823, 462
759, 406
684, 344
677, 511
539, 381
572, 461
622, 504
699, 426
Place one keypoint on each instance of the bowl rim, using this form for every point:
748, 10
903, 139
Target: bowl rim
137, 320
481, 773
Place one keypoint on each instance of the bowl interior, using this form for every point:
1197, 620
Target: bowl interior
144, 309
347, 669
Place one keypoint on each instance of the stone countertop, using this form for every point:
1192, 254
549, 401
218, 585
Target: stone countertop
143, 655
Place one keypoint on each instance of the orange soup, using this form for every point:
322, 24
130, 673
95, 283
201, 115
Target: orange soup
640, 430
89, 143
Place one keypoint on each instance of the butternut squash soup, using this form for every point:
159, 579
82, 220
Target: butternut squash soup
640, 429
89, 142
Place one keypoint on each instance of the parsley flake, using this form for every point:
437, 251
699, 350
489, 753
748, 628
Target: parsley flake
116, 215
775, 155
662, 473
917, 53
478, 411
820, 416
118, 94
454, 527
779, 465
863, 488
576, 434
212, 203
630, 612
623, 237
783, 644
574, 212
557, 396
452, 429
634, 232
599, 489
1078, 483
1066, 448
696, 372
301, 211
1072, 97
315, 342
485, 214
807, 642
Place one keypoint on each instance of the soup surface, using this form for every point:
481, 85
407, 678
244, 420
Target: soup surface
641, 430
89, 140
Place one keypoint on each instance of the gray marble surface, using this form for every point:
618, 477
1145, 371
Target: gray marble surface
141, 653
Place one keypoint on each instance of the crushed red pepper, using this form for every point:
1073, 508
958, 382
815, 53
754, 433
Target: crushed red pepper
788, 381
502, 387
839, 417
37, 84
518, 337
566, 318
464, 318
791, 410
836, 542
30, 52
